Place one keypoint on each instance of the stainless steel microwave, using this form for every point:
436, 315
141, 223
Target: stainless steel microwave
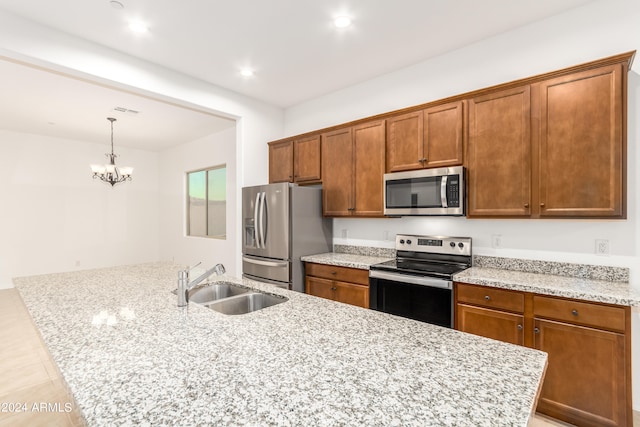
439, 191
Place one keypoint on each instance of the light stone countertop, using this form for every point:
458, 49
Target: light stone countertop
132, 357
604, 291
362, 262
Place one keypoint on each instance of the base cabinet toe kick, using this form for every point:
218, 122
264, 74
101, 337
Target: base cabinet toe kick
588, 379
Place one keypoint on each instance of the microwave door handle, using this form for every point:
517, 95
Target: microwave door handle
443, 192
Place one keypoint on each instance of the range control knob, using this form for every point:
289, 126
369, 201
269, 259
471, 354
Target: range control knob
452, 244
402, 241
461, 245
408, 242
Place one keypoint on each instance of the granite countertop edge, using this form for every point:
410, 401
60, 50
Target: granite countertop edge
601, 291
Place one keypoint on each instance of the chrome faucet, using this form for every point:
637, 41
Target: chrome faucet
184, 285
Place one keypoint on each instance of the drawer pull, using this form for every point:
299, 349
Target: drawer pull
536, 330
334, 272
574, 312
487, 297
519, 327
333, 288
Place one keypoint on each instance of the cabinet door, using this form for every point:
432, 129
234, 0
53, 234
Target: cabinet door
337, 173
281, 162
585, 379
369, 164
353, 294
499, 154
581, 144
495, 324
322, 288
405, 142
443, 135
306, 159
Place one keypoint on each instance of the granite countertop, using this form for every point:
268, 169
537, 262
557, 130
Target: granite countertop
131, 356
362, 262
581, 288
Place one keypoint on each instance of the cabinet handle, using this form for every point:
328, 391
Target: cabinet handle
334, 272
574, 312
487, 297
333, 288
519, 327
536, 330
526, 205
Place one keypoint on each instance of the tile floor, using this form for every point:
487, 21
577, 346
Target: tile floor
31, 378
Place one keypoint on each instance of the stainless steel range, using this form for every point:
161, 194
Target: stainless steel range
418, 283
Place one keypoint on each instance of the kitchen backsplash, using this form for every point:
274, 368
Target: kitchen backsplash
584, 271
365, 250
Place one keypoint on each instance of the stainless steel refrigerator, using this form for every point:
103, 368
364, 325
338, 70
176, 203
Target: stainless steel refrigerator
280, 223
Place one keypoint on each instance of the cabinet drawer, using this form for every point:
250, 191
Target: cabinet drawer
583, 313
344, 274
491, 297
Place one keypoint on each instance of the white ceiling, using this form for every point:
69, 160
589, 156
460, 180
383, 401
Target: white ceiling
292, 45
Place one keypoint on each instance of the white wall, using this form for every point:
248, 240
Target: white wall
56, 217
213, 150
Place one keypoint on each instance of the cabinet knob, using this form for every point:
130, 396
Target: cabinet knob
526, 205
574, 312
542, 205
487, 297
334, 272
333, 288
536, 330
519, 327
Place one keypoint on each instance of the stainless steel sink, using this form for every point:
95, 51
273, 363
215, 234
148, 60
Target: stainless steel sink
215, 292
245, 303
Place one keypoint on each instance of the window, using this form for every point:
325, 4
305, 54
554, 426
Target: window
207, 202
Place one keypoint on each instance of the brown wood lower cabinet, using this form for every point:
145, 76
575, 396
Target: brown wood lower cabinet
342, 284
588, 379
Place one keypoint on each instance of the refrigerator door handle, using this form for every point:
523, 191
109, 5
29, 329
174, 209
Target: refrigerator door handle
261, 218
265, 263
256, 229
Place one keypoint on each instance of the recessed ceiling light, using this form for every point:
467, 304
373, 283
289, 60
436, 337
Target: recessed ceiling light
116, 4
246, 72
138, 27
342, 21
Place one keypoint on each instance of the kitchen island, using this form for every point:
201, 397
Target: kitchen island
131, 356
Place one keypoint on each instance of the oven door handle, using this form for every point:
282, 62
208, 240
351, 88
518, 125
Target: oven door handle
416, 280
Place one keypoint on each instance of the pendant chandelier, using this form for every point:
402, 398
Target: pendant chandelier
109, 172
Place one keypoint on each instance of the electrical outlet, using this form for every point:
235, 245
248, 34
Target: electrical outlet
602, 247
496, 241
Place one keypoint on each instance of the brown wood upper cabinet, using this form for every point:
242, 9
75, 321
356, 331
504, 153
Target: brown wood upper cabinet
281, 161
352, 168
581, 144
295, 160
427, 138
554, 148
499, 154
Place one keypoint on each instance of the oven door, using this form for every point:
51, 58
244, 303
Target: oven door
420, 298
